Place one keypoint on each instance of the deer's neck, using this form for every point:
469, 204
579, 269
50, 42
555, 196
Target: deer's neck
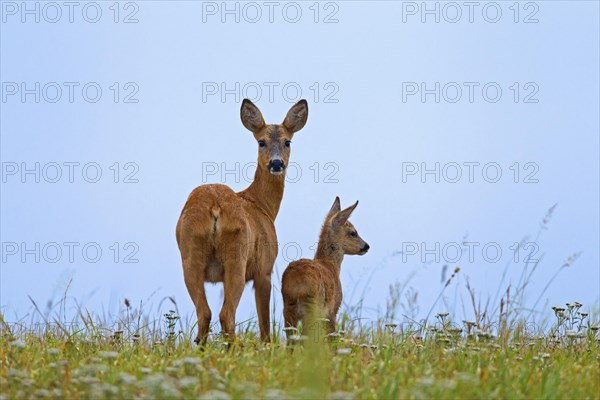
266, 191
330, 253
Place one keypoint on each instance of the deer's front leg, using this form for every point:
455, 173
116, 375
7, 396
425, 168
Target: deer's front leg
262, 293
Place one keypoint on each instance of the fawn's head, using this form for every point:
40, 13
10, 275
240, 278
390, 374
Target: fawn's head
274, 140
340, 233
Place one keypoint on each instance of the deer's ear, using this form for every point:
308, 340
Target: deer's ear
335, 208
297, 116
251, 116
342, 216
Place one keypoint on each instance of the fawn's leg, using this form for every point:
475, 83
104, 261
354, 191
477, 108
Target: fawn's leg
331, 323
290, 316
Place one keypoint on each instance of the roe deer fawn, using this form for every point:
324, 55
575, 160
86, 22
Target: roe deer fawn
230, 237
313, 287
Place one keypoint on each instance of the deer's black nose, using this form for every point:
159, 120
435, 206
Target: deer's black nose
365, 248
276, 165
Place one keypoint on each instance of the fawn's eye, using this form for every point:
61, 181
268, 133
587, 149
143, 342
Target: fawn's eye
288, 143
353, 234
262, 143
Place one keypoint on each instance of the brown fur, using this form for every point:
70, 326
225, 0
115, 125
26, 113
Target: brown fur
230, 237
314, 286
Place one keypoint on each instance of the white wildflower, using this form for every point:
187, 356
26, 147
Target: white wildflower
188, 382
108, 355
127, 378
339, 395
19, 344
274, 394
191, 360
215, 395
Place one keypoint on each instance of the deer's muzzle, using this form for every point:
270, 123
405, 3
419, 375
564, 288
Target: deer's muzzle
276, 167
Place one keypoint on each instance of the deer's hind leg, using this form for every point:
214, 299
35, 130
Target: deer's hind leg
195, 256
234, 257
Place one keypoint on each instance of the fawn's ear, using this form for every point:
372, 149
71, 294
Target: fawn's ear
335, 208
342, 216
251, 116
297, 116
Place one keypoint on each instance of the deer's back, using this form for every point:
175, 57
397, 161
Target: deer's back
307, 280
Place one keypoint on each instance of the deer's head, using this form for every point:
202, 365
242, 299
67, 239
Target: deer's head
274, 141
341, 233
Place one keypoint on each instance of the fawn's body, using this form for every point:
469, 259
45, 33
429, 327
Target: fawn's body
229, 237
314, 286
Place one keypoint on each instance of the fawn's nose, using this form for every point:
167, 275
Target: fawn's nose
276, 166
365, 248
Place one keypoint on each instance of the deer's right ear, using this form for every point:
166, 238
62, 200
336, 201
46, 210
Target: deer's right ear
335, 208
251, 116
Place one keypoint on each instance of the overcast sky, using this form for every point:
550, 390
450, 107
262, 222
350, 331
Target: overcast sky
465, 130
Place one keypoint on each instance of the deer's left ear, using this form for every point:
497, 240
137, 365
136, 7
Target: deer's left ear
341, 217
297, 116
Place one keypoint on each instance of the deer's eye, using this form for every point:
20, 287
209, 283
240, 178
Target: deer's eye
288, 143
353, 234
262, 143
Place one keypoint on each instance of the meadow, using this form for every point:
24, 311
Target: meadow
140, 358
512, 347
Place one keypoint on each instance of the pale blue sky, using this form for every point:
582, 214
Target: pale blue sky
357, 75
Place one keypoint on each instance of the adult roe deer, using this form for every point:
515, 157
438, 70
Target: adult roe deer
314, 286
230, 237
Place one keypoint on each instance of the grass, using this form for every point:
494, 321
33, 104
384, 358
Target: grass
444, 360
503, 352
